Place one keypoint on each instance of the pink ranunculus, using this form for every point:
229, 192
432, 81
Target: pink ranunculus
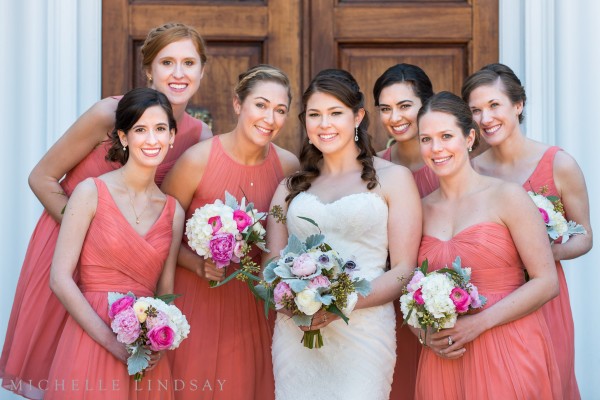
241, 219
304, 265
126, 326
418, 296
414, 282
461, 299
319, 282
221, 249
120, 305
161, 338
216, 223
161, 319
545, 215
281, 290
474, 293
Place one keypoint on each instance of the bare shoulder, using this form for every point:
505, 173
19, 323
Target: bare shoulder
565, 163
197, 155
389, 171
104, 110
289, 161
85, 192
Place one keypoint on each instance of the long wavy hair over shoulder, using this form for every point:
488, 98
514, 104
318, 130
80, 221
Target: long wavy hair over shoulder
341, 85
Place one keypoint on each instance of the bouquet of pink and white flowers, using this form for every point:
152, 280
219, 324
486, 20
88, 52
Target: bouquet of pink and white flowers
225, 232
145, 325
307, 277
552, 211
436, 299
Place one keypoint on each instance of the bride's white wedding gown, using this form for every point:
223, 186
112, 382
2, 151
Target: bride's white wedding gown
357, 360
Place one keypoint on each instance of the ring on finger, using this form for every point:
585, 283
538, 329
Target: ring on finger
450, 341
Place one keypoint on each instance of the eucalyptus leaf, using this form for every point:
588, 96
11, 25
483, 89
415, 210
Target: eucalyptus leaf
168, 298
260, 291
311, 221
230, 277
335, 310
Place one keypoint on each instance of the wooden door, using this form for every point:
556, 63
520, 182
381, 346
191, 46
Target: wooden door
449, 39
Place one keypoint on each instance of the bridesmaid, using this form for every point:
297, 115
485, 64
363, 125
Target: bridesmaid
497, 98
173, 58
124, 235
503, 351
229, 354
399, 94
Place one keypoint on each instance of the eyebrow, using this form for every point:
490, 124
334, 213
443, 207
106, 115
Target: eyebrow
398, 103
269, 101
329, 109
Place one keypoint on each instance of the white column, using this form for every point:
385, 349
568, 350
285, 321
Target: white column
49, 75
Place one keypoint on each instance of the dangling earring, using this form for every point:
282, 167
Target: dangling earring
124, 147
356, 133
470, 149
150, 78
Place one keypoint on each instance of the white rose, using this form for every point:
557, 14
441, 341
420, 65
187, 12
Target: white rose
352, 299
305, 300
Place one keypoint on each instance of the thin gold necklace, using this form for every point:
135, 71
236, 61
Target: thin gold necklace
137, 217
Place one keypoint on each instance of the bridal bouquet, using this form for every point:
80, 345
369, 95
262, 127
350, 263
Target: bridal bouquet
307, 277
225, 232
145, 325
437, 298
552, 211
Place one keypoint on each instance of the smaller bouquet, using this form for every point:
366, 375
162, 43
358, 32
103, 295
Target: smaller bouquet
437, 298
309, 276
225, 232
145, 325
552, 211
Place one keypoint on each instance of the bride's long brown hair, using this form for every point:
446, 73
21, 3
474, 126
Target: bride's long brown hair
341, 85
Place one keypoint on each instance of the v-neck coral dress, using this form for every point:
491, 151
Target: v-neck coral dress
114, 258
408, 348
558, 310
511, 361
37, 317
228, 355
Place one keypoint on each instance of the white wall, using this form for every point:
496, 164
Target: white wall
51, 73
554, 47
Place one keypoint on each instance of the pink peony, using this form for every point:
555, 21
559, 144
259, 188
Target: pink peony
461, 299
304, 265
161, 338
241, 219
281, 291
319, 282
474, 293
126, 326
418, 296
161, 319
544, 215
216, 223
414, 282
120, 305
238, 249
221, 249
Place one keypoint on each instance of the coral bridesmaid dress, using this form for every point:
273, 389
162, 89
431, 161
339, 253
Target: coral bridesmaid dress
37, 317
228, 355
511, 361
114, 258
408, 348
558, 310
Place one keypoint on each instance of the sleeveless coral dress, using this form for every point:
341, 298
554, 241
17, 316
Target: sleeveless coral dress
558, 310
510, 361
408, 348
228, 355
114, 258
37, 317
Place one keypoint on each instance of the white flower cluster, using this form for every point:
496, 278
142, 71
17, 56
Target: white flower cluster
557, 224
177, 321
199, 232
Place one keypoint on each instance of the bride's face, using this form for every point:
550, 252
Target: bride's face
330, 123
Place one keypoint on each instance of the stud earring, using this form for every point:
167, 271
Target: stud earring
150, 78
356, 133
171, 145
309, 142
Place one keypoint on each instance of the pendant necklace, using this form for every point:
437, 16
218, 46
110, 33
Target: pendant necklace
137, 217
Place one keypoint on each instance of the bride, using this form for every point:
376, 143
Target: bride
363, 205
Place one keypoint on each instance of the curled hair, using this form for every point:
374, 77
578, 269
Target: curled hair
399, 73
261, 73
130, 109
449, 103
510, 84
341, 85
162, 36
